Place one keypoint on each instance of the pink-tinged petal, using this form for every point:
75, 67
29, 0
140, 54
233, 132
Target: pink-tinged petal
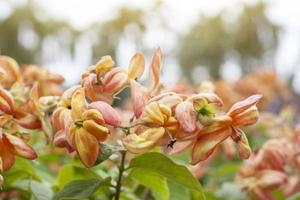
263, 194
206, 144
170, 99
87, 147
136, 66
19, 147
89, 87
6, 101
12, 71
216, 124
186, 116
143, 142
246, 118
152, 114
241, 139
208, 97
228, 148
114, 80
27, 120
34, 99
271, 179
155, 67
241, 106
60, 138
110, 115
179, 146
139, 97
78, 104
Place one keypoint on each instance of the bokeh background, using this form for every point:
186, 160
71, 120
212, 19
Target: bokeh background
201, 39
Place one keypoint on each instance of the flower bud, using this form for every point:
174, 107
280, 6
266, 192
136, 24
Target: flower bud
114, 80
110, 115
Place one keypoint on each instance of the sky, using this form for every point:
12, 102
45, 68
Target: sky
180, 15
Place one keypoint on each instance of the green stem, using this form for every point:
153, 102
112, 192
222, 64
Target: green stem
121, 170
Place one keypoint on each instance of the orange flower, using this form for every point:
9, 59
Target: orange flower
162, 126
81, 126
11, 146
102, 82
243, 113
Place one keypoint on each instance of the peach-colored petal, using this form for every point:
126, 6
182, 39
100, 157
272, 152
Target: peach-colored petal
20, 148
205, 144
105, 64
186, 116
93, 114
114, 80
241, 139
100, 132
170, 99
246, 118
271, 179
6, 101
78, 103
143, 142
139, 97
153, 114
136, 66
87, 147
241, 106
208, 97
155, 67
110, 115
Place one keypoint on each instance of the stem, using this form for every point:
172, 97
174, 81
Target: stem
121, 170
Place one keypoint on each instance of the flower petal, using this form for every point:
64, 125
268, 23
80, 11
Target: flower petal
241, 139
110, 115
87, 147
153, 114
206, 144
78, 103
105, 64
19, 147
186, 116
246, 118
143, 142
114, 80
139, 97
241, 106
155, 67
136, 66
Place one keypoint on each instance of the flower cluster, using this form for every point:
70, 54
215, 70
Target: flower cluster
18, 113
275, 166
83, 116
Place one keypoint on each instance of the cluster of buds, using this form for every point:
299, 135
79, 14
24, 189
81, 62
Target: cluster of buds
274, 167
21, 110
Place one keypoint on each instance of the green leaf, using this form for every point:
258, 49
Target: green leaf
177, 192
158, 163
69, 173
106, 151
80, 189
154, 181
294, 197
38, 190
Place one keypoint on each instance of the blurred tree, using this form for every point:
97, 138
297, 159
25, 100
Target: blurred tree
250, 40
254, 37
23, 32
110, 32
205, 44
